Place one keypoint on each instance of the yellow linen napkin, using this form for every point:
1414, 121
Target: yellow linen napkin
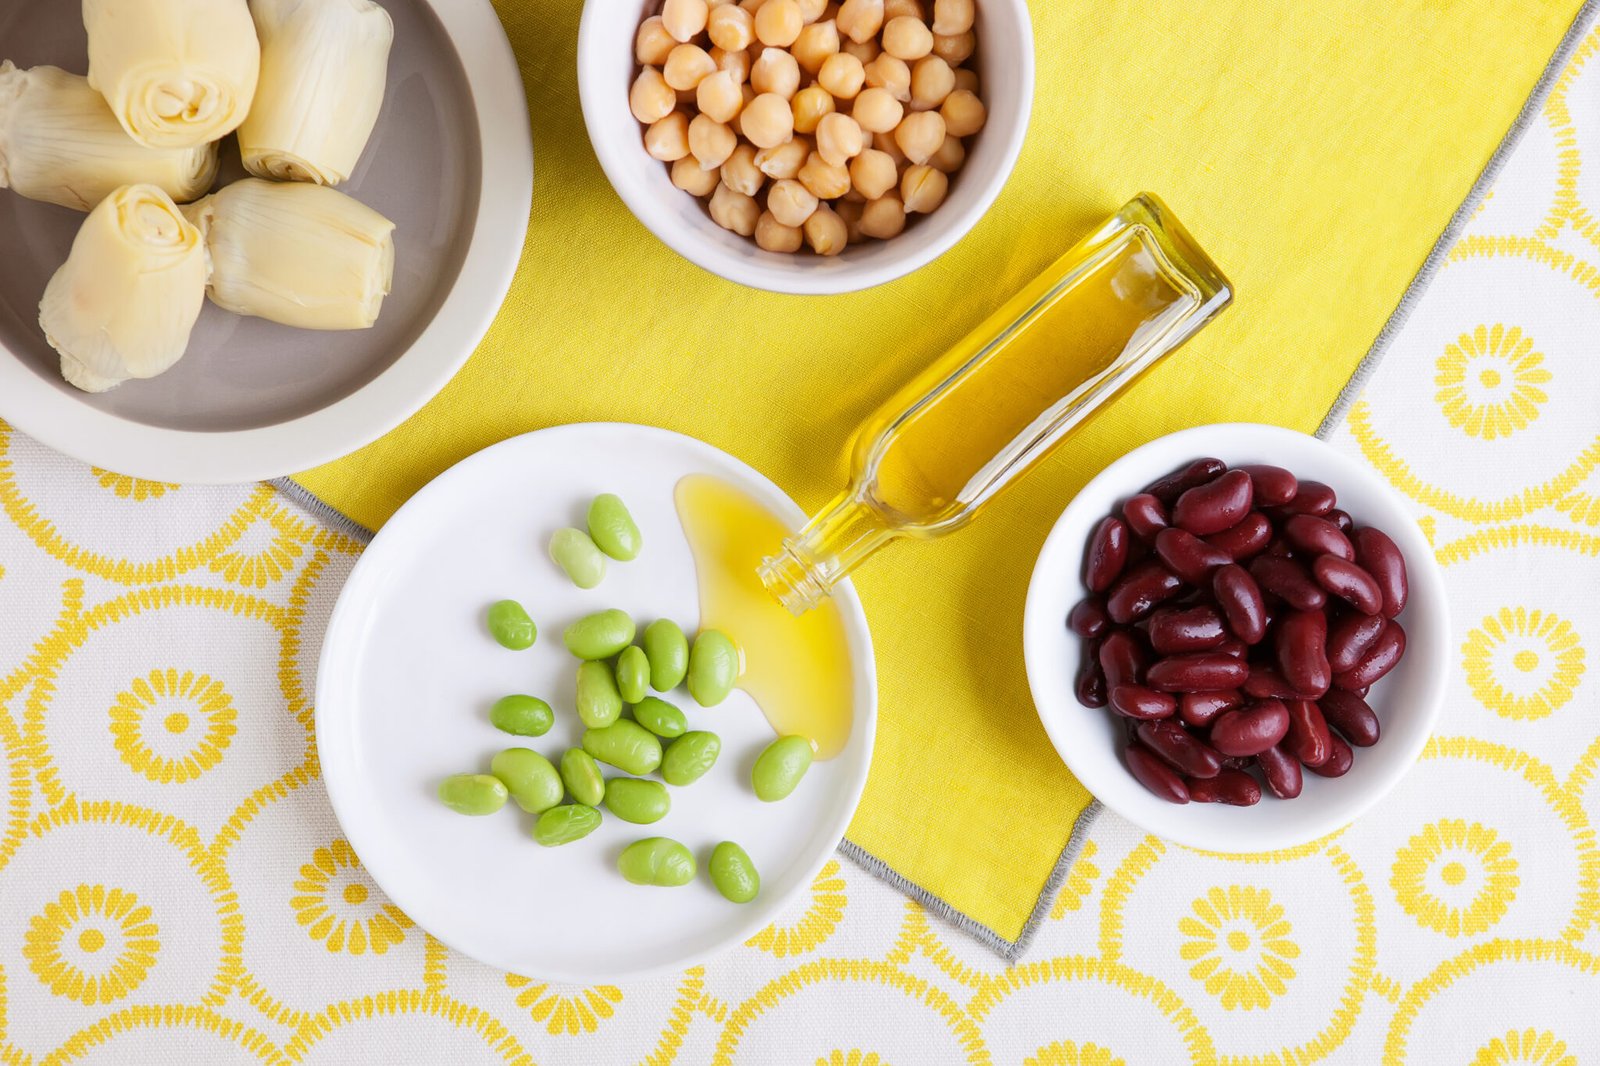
1316, 150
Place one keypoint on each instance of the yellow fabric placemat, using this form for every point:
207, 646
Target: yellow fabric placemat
1316, 150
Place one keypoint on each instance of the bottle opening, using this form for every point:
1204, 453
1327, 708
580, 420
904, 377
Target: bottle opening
793, 579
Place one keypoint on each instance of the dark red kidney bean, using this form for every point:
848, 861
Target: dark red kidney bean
1349, 582
1317, 536
1175, 630
1123, 658
1200, 709
1108, 554
1247, 538
1273, 484
1307, 738
1090, 684
1145, 515
1380, 557
1250, 730
1136, 701
1279, 547
1231, 786
1350, 637
1140, 591
1341, 519
1339, 759
1282, 772
1176, 484
1206, 672
1088, 618
1301, 643
1155, 775
1188, 556
1313, 498
1265, 683
1181, 751
1240, 599
1350, 715
1288, 580
1385, 653
1214, 506
1236, 649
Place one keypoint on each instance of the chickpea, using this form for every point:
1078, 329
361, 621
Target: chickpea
860, 20
773, 235
893, 9
710, 141
964, 114
790, 202
718, 97
651, 98
883, 218
785, 160
735, 63
907, 38
767, 121
824, 180
733, 29
887, 72
813, 11
751, 6
956, 49
950, 157
739, 173
877, 111
849, 212
919, 135
866, 51
747, 94
668, 138
692, 178
853, 197
776, 72
931, 81
684, 19
687, 64
841, 75
967, 79
885, 143
653, 44
951, 17
826, 232
839, 139
923, 189
815, 44
778, 23
873, 173
734, 211
809, 107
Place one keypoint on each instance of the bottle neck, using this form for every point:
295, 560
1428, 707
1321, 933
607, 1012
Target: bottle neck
803, 573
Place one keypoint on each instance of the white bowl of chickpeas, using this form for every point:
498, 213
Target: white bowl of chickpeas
807, 146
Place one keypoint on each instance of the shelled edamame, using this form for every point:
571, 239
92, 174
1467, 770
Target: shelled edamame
579, 558
523, 716
510, 625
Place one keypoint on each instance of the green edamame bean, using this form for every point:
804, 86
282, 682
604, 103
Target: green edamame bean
780, 767
581, 774
524, 716
474, 794
636, 801
599, 702
668, 651
687, 759
713, 667
733, 873
510, 625
633, 674
612, 528
564, 824
600, 635
579, 559
660, 717
626, 745
529, 777
657, 861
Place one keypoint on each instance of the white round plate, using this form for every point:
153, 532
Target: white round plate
408, 673
1090, 740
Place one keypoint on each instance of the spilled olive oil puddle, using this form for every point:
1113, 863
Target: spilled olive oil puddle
796, 669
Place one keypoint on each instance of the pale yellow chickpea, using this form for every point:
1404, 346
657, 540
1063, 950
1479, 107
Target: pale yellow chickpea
907, 38
809, 107
776, 72
813, 11
815, 44
684, 19
735, 63
651, 98
667, 139
766, 121
732, 28
853, 197
785, 160
877, 111
734, 210
956, 49
950, 157
774, 236
839, 139
923, 189
964, 114
710, 141
653, 43
849, 212
873, 173
822, 179
885, 143
842, 76
692, 178
790, 202
687, 64
951, 17
739, 173
751, 6
967, 79
860, 20
826, 232
884, 217
718, 97
931, 81
919, 135
888, 72
865, 51
778, 23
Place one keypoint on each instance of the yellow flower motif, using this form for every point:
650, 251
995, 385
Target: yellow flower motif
1526, 1045
1080, 882
1239, 944
815, 925
261, 568
132, 488
580, 1013
1455, 878
851, 1058
171, 726
335, 905
1523, 664
1066, 1053
92, 944
1489, 382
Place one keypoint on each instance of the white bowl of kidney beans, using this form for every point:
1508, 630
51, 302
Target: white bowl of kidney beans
1236, 637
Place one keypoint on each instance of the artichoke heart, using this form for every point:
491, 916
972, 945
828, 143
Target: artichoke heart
303, 255
123, 304
324, 66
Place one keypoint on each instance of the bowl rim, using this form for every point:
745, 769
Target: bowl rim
1044, 635
779, 275
66, 423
